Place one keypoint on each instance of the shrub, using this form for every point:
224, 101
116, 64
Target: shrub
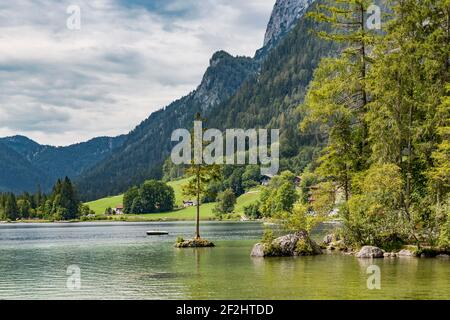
225, 202
179, 240
268, 236
252, 211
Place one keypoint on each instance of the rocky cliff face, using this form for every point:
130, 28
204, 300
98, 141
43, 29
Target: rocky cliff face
222, 79
284, 18
139, 155
149, 144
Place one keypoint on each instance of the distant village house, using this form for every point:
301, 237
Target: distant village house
118, 210
265, 179
189, 203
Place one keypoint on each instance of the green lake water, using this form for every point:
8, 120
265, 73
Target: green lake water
118, 261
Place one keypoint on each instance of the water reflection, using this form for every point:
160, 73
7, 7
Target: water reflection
118, 261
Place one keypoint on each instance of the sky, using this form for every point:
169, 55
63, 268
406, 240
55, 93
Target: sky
63, 83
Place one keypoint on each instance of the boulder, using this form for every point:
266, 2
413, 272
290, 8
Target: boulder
294, 244
443, 256
406, 253
328, 239
368, 252
390, 255
258, 250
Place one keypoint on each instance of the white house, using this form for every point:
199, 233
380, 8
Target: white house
118, 209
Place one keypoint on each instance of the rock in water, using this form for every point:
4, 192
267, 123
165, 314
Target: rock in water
295, 244
368, 252
258, 250
328, 239
406, 253
195, 243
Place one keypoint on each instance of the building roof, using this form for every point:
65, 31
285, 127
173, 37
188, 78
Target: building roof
119, 206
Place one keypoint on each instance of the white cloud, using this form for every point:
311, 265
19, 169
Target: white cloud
60, 86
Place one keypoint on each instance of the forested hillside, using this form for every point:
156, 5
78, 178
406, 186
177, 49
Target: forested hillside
27, 164
147, 146
103, 166
17, 173
267, 98
383, 106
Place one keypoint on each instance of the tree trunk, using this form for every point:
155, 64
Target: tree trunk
198, 205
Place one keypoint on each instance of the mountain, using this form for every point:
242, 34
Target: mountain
284, 18
18, 174
271, 99
43, 165
236, 92
148, 145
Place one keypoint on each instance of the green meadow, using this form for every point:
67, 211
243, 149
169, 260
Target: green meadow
182, 214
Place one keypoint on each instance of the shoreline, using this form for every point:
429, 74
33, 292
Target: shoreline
123, 221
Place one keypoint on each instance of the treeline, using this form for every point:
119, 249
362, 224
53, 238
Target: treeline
61, 204
151, 197
383, 105
238, 178
156, 196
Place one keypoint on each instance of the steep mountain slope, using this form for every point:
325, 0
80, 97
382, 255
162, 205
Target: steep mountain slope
149, 144
109, 165
49, 163
284, 18
271, 98
17, 173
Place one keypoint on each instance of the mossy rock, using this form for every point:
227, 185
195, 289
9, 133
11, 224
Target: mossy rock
304, 248
194, 243
296, 244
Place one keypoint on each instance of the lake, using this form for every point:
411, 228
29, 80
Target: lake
119, 261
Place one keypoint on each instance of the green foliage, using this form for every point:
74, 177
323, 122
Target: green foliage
251, 177
65, 201
61, 204
172, 171
279, 196
9, 207
253, 211
304, 248
151, 197
268, 236
179, 240
128, 199
372, 216
384, 110
226, 201
301, 218
85, 210
439, 173
444, 217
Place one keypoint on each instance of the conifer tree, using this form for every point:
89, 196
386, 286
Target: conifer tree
201, 175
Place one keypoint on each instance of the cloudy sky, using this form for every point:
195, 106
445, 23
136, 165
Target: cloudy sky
60, 86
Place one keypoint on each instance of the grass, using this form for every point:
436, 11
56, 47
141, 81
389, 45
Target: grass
177, 187
246, 199
99, 206
184, 214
